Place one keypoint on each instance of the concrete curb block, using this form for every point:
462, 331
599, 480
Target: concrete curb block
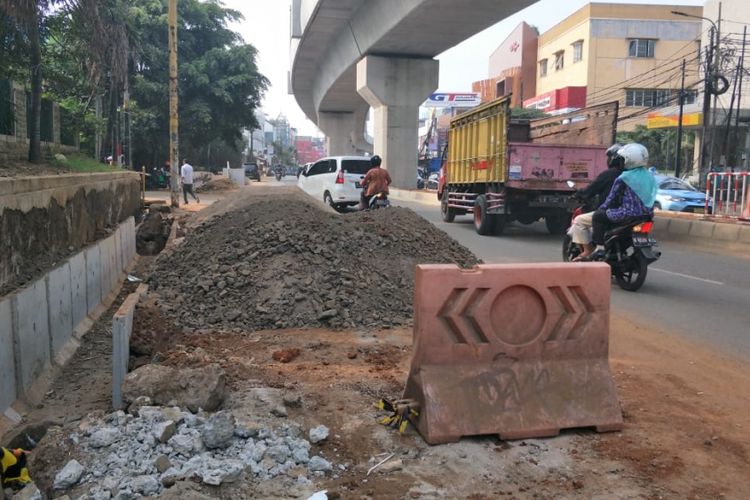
425, 197
729, 236
122, 329
726, 236
42, 325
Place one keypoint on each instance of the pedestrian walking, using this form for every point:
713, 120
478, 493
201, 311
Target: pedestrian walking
186, 175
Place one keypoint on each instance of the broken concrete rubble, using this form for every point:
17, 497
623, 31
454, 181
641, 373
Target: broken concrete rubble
128, 455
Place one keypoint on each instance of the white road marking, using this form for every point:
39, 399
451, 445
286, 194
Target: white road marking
704, 280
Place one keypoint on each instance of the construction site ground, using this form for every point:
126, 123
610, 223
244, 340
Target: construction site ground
686, 411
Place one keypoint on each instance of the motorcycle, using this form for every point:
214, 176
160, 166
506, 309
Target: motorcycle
629, 250
378, 201
278, 175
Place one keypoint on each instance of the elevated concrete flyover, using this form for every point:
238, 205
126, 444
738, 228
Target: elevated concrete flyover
348, 55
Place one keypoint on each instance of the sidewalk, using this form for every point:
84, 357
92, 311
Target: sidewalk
692, 229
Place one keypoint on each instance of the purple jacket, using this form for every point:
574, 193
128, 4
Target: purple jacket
630, 205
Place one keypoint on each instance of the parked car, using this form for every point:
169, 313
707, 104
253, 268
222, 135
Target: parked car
676, 195
335, 180
252, 171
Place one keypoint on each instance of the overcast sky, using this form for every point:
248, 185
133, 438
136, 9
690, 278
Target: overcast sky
266, 26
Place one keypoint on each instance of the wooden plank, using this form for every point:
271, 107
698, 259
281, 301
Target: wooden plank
595, 125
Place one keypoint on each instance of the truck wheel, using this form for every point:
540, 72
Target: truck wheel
498, 227
483, 222
557, 223
449, 214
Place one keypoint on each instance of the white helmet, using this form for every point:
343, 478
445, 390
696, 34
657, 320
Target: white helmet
633, 155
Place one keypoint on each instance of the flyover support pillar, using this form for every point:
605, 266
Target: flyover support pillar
340, 129
395, 88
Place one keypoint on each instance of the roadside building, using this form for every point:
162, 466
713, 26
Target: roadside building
618, 52
309, 149
512, 67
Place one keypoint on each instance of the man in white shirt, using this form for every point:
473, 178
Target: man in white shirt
186, 175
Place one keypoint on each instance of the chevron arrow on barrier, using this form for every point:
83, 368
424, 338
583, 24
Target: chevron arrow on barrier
577, 310
458, 315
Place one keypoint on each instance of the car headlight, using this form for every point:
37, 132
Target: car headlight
673, 198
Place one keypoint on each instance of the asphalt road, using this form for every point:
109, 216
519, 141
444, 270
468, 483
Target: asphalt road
701, 296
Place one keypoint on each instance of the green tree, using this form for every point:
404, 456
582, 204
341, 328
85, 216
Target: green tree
661, 145
527, 113
220, 84
26, 28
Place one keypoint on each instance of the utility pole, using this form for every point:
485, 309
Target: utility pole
174, 148
717, 72
703, 169
678, 156
741, 71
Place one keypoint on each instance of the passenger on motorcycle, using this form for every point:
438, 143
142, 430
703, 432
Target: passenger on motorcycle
632, 196
375, 182
594, 195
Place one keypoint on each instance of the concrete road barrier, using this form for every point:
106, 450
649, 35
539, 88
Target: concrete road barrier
122, 329
519, 351
37, 323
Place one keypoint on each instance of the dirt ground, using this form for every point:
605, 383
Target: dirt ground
686, 411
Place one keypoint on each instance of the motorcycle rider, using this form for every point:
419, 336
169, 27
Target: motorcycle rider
375, 182
632, 196
595, 194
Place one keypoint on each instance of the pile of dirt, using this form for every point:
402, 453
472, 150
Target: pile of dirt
217, 184
291, 263
152, 235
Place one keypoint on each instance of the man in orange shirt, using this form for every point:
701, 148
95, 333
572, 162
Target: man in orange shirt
375, 182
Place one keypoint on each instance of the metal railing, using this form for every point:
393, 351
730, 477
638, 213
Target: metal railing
728, 193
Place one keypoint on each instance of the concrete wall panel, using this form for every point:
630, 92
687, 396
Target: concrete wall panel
106, 248
122, 328
32, 333
8, 391
79, 306
118, 250
93, 278
114, 276
60, 302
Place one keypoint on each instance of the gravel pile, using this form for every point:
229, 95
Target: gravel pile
283, 263
141, 454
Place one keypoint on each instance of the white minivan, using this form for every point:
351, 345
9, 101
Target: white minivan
336, 180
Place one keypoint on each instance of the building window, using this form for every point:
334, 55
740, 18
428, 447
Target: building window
577, 51
542, 68
559, 60
655, 98
640, 47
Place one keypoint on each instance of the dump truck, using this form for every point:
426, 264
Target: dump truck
502, 170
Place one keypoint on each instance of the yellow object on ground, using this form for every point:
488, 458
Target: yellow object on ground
14, 471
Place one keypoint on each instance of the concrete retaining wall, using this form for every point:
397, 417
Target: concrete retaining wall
42, 217
40, 325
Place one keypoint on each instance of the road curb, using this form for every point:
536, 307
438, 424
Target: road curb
424, 197
728, 235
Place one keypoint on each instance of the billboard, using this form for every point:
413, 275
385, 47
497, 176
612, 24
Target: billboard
453, 100
656, 120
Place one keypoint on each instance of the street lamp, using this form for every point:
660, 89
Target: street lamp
685, 14
711, 61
